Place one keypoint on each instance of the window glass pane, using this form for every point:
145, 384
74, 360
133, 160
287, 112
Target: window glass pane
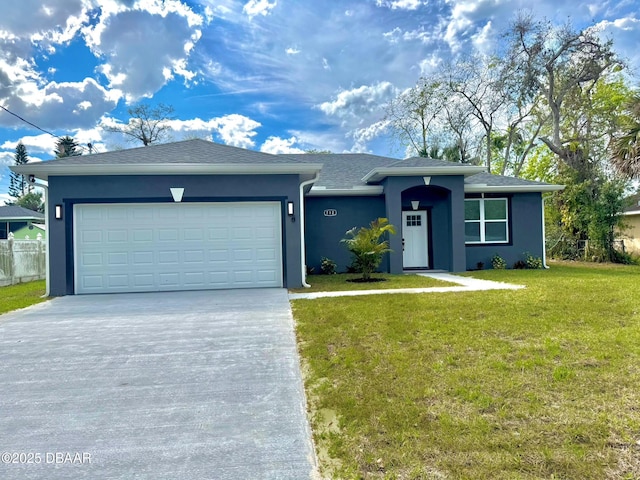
495, 209
472, 209
472, 232
495, 232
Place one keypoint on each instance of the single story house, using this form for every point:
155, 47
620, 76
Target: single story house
200, 215
631, 235
22, 222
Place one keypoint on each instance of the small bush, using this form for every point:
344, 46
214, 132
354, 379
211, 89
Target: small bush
498, 263
532, 262
327, 266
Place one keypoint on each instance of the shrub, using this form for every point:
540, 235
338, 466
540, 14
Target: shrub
498, 263
532, 262
520, 265
327, 266
366, 246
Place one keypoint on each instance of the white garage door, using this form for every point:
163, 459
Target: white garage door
177, 246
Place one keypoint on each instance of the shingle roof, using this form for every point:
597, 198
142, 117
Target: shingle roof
187, 151
13, 212
499, 181
339, 171
342, 170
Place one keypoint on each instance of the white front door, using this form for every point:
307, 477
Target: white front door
414, 239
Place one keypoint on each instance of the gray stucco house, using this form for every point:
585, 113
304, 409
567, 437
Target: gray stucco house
200, 215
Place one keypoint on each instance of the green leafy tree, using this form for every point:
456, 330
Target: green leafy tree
367, 246
67, 147
31, 201
18, 186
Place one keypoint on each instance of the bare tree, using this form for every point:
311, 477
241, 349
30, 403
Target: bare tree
480, 87
147, 124
414, 113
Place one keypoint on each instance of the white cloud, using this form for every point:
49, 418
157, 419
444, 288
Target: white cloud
292, 51
258, 7
359, 101
399, 4
41, 144
277, 145
236, 130
362, 136
145, 48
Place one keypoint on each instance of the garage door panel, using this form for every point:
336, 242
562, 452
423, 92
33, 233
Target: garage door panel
132, 247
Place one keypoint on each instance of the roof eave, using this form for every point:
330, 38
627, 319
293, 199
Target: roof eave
365, 191
378, 174
20, 219
44, 171
511, 188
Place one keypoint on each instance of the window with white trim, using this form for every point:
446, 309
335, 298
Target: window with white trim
486, 220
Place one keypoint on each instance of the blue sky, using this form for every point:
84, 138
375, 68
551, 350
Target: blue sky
270, 75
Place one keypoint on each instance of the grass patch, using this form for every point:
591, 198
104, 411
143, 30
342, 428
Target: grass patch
535, 383
339, 282
21, 295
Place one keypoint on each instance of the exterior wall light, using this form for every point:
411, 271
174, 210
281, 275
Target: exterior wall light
58, 212
290, 210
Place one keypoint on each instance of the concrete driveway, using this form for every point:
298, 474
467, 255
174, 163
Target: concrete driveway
178, 385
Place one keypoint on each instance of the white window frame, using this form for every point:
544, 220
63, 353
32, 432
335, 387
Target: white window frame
482, 221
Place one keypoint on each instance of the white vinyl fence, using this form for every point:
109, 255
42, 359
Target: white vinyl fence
22, 260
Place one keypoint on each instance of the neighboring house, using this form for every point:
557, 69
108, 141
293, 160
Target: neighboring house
631, 235
200, 215
22, 222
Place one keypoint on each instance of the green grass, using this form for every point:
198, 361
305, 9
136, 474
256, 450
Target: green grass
22, 295
334, 283
537, 383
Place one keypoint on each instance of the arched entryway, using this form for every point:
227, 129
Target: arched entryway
426, 228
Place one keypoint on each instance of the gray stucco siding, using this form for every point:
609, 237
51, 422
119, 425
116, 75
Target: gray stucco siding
323, 233
71, 190
525, 233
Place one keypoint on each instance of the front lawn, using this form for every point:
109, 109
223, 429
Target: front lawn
22, 295
339, 282
536, 383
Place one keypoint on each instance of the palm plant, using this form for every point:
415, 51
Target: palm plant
625, 150
367, 247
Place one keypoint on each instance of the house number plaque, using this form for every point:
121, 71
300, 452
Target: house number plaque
330, 212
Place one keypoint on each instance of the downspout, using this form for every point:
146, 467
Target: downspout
303, 247
544, 235
45, 187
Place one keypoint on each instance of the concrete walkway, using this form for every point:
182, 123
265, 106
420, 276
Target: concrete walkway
174, 385
465, 284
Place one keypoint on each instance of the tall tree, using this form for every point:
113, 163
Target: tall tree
479, 84
67, 147
413, 115
146, 124
565, 65
18, 186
